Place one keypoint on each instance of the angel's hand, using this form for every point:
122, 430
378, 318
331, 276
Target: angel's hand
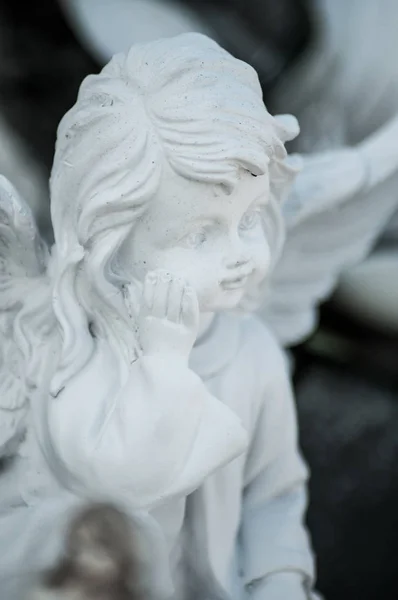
326, 179
169, 315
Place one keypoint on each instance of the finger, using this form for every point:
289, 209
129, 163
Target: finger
190, 308
148, 291
161, 295
174, 303
131, 297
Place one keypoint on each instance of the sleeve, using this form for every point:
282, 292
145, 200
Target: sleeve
156, 437
277, 558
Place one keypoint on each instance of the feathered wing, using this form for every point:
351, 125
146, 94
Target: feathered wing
23, 259
339, 205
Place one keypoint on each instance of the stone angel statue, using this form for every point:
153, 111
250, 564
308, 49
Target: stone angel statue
133, 367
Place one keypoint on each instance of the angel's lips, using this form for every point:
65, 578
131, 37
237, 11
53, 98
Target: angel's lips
234, 284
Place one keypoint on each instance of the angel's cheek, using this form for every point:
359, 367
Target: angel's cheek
263, 268
260, 254
207, 287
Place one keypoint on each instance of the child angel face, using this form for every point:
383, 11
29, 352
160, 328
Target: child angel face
212, 239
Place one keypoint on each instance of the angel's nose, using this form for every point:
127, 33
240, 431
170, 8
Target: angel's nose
237, 264
237, 255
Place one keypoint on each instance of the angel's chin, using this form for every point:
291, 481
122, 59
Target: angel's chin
227, 300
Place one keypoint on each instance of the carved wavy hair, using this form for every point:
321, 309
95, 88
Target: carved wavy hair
184, 100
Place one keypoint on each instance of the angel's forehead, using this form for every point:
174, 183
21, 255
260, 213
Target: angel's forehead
182, 200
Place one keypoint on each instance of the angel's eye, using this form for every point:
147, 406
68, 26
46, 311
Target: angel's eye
194, 240
250, 220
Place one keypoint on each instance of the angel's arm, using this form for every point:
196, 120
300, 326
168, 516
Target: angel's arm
156, 436
277, 557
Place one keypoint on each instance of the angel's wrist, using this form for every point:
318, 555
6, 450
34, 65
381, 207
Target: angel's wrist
283, 584
167, 349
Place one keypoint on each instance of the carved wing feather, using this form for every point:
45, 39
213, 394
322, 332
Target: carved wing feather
23, 258
341, 202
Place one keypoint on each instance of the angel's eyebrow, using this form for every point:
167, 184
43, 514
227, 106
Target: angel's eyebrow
204, 220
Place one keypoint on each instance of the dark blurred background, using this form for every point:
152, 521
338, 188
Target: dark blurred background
346, 375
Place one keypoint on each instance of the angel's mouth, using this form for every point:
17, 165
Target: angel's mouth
234, 284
